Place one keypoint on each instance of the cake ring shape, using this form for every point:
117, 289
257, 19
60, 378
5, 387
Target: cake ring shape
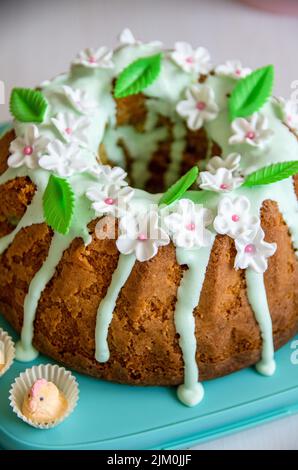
98, 275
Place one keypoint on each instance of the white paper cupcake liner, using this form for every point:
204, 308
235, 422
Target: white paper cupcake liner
9, 351
63, 380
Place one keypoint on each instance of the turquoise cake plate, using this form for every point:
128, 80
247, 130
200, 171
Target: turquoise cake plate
4, 127
112, 416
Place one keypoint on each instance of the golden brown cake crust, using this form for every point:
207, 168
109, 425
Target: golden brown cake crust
4, 149
142, 337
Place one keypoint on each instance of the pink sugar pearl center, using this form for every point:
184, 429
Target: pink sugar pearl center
224, 186
142, 237
201, 105
191, 227
109, 201
250, 135
68, 130
28, 150
189, 60
92, 59
250, 248
235, 218
238, 72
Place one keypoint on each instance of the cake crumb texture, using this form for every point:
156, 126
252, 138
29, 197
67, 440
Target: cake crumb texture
143, 343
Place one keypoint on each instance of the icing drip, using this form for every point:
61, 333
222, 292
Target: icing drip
188, 296
257, 298
34, 214
108, 304
283, 193
24, 349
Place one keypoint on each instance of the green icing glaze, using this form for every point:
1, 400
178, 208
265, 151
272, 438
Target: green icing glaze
188, 297
257, 298
28, 105
108, 304
282, 147
161, 99
34, 214
138, 76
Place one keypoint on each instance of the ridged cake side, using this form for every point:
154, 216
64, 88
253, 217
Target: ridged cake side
142, 337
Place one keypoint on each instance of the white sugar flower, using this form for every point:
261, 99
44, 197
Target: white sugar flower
126, 38
71, 127
64, 159
109, 175
187, 225
141, 235
231, 162
232, 68
233, 217
222, 180
253, 251
253, 131
113, 175
289, 111
78, 99
199, 106
110, 199
191, 60
28, 149
95, 58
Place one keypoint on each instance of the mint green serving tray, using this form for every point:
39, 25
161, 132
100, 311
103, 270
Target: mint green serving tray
4, 127
112, 416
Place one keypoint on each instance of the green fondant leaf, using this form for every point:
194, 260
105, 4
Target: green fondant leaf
58, 204
138, 76
272, 173
177, 190
251, 92
27, 105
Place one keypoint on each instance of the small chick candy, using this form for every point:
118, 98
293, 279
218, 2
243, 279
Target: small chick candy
44, 403
2, 355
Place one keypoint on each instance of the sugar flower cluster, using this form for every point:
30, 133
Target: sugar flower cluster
234, 216
68, 153
186, 224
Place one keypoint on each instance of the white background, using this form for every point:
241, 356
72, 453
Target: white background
39, 38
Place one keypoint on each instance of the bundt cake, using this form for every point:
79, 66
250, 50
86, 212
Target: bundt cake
148, 217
